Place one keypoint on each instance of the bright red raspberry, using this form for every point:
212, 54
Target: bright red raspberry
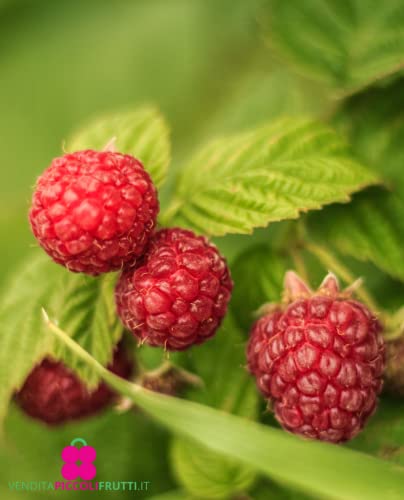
54, 394
319, 360
94, 211
178, 295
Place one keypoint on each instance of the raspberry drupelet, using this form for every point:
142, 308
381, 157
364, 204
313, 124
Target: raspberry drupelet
178, 294
94, 212
318, 359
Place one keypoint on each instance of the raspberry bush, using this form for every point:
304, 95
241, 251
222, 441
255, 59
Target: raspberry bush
244, 382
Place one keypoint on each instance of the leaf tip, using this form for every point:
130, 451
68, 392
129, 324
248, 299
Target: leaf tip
45, 316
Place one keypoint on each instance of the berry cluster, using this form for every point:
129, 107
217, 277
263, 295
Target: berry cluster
95, 212
318, 359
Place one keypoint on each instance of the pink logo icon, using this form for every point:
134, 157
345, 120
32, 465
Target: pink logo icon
79, 461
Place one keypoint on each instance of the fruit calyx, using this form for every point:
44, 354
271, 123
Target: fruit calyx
296, 288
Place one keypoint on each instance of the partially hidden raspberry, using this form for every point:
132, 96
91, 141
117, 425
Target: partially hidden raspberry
318, 359
53, 394
94, 211
178, 295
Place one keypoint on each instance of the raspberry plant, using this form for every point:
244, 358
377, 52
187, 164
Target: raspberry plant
304, 177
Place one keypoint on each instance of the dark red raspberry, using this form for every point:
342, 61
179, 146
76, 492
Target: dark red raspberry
178, 295
319, 360
54, 394
94, 211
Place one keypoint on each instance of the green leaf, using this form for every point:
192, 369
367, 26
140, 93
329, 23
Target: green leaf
272, 173
83, 305
206, 474
24, 340
371, 228
258, 278
346, 44
312, 466
143, 133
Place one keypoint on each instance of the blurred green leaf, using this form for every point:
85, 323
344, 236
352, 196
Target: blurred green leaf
206, 474
311, 465
370, 228
258, 276
142, 133
346, 44
272, 173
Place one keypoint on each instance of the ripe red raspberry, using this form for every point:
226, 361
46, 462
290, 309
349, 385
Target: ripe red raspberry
94, 211
319, 360
54, 394
178, 295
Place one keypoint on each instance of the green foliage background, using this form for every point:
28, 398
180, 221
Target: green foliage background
211, 67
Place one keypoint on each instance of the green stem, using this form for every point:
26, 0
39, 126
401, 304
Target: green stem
113, 380
333, 264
